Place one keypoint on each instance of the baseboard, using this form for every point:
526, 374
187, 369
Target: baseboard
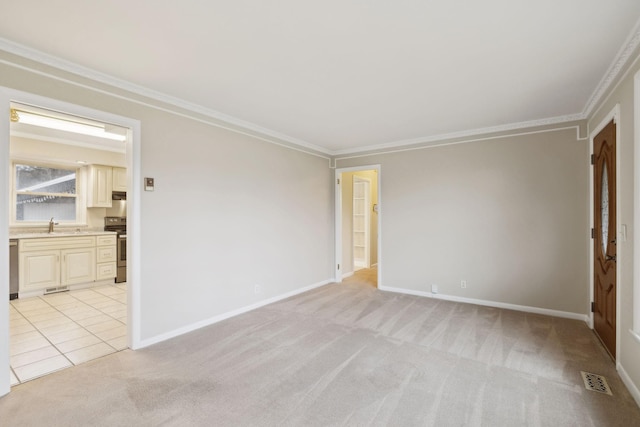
210, 321
345, 275
496, 304
626, 379
75, 287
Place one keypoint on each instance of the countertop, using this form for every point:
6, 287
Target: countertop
61, 233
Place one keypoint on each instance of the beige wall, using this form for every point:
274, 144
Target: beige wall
508, 215
347, 217
229, 210
623, 95
27, 148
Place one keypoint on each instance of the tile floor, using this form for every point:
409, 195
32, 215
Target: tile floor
56, 331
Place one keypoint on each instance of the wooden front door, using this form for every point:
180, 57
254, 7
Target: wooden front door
604, 236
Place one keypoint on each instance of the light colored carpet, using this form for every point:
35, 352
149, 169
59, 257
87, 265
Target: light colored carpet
343, 355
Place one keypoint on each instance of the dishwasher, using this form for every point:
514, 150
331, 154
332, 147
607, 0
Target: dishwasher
13, 269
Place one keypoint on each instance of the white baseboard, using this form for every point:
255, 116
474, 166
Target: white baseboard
41, 292
215, 319
344, 276
626, 379
527, 309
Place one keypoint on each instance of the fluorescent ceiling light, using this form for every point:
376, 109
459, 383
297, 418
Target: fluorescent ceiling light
64, 125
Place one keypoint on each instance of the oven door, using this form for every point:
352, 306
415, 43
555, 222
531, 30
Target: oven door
121, 275
122, 251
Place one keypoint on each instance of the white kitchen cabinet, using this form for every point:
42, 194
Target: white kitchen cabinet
55, 262
39, 270
78, 266
106, 254
99, 186
106, 257
119, 179
106, 271
55, 268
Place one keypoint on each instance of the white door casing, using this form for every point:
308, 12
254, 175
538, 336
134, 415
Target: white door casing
133, 154
338, 218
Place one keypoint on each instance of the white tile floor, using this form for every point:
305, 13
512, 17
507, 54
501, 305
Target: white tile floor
56, 331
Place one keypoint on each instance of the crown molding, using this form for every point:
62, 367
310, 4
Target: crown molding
235, 124
89, 73
438, 139
619, 61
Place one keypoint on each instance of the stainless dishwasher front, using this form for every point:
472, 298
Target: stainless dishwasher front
13, 269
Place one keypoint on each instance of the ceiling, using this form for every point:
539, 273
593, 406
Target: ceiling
344, 76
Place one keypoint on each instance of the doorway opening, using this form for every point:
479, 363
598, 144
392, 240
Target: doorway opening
361, 224
67, 306
358, 237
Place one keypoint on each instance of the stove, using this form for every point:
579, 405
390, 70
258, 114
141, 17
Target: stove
116, 223
119, 225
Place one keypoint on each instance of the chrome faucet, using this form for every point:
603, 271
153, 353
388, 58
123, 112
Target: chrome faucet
51, 224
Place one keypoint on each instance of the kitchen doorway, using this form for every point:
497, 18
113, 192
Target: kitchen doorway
37, 324
358, 218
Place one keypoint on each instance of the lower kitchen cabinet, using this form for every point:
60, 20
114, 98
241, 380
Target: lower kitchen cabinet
107, 267
55, 268
39, 270
78, 266
55, 262
106, 271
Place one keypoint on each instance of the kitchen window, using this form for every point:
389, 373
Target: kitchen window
42, 192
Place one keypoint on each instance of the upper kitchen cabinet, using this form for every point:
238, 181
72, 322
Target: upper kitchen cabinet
100, 186
119, 179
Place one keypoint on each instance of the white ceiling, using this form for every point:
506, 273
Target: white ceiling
345, 75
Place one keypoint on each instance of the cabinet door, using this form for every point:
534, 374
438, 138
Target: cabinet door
78, 266
106, 253
100, 186
106, 270
109, 240
119, 179
39, 270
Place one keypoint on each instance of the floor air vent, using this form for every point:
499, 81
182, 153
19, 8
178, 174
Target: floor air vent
54, 290
595, 382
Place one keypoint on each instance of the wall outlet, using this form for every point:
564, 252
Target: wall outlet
434, 289
463, 284
257, 289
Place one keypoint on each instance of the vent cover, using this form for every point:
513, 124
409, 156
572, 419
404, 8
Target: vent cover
54, 290
595, 382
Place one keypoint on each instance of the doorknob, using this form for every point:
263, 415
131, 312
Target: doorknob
611, 258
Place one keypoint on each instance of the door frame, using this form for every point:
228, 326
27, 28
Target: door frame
621, 237
367, 222
133, 155
338, 218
